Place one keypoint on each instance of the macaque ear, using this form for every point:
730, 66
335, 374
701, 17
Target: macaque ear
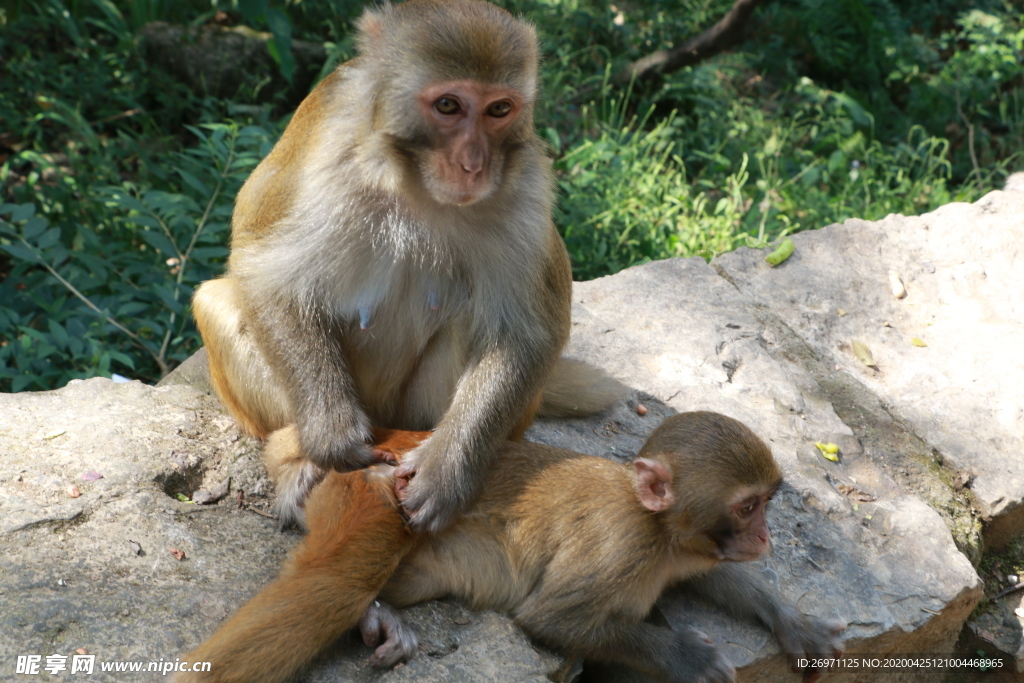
654, 484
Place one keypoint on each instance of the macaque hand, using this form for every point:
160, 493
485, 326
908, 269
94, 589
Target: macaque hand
695, 659
400, 640
807, 638
341, 448
430, 499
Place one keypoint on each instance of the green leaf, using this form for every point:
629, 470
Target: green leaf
131, 308
781, 253
159, 241
194, 182
837, 162
252, 9
859, 115
48, 239
58, 332
146, 221
126, 201
21, 381
122, 358
280, 47
207, 253
20, 252
23, 212
34, 227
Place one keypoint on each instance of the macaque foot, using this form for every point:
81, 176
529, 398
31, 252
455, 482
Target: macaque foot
400, 640
698, 660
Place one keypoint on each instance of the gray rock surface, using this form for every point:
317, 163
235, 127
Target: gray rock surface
929, 450
96, 571
963, 271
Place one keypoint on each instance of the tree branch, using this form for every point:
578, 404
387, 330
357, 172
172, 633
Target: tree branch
723, 35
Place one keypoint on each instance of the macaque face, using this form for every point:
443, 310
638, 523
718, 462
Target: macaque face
468, 121
745, 534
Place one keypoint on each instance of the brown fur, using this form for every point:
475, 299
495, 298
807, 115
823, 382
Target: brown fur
565, 544
289, 622
360, 293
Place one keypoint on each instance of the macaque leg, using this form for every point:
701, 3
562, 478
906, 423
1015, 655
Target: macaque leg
742, 590
239, 373
357, 538
673, 655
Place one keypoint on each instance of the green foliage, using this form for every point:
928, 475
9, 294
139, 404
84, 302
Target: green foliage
116, 182
85, 298
626, 200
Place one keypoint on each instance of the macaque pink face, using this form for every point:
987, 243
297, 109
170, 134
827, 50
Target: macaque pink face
748, 537
469, 119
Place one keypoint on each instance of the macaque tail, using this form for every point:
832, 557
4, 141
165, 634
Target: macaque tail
576, 389
356, 539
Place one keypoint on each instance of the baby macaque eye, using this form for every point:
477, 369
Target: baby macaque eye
500, 109
447, 106
747, 509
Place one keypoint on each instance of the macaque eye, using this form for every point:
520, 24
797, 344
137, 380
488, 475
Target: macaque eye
500, 109
447, 106
747, 509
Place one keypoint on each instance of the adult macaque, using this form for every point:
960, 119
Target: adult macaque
394, 263
575, 548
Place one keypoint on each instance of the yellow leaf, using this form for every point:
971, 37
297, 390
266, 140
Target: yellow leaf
917, 342
863, 353
829, 450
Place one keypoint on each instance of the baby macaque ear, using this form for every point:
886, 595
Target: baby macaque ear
654, 484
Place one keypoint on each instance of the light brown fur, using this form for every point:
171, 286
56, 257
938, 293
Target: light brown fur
394, 266
565, 543
357, 544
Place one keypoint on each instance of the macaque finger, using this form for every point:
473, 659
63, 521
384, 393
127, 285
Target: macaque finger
425, 506
408, 467
383, 456
401, 487
369, 627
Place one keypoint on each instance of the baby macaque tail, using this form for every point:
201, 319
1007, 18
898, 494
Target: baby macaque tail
355, 542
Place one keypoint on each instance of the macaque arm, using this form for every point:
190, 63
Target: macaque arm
305, 347
676, 656
492, 397
356, 539
742, 590
452, 465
